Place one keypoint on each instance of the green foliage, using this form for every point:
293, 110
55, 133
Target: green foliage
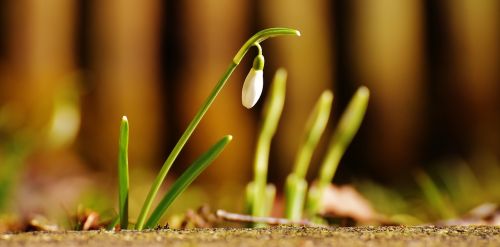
123, 180
347, 128
261, 205
186, 179
259, 195
296, 184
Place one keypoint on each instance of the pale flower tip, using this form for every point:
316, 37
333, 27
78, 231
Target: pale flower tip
247, 105
252, 88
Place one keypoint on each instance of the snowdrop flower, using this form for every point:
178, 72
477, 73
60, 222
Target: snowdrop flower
254, 82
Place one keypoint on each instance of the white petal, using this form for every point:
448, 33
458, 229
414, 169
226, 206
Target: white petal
252, 88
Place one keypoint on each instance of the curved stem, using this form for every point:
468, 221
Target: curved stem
258, 48
255, 39
261, 36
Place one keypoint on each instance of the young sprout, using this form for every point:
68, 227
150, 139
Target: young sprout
296, 184
123, 178
347, 127
262, 195
434, 196
253, 41
254, 82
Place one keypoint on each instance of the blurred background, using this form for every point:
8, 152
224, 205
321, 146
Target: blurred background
70, 69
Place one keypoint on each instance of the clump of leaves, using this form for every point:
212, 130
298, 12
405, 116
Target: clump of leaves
260, 196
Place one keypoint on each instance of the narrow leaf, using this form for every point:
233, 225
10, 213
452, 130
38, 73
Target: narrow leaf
186, 179
123, 180
273, 108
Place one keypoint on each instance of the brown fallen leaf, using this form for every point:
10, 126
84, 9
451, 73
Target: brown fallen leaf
484, 214
346, 202
40, 223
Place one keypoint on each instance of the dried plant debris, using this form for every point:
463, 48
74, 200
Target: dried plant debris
203, 217
243, 218
40, 223
346, 201
484, 214
88, 219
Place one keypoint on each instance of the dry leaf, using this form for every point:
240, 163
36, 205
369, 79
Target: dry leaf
345, 201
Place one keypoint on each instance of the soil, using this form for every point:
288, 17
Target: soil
276, 236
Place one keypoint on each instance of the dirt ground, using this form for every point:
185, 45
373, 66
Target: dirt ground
276, 236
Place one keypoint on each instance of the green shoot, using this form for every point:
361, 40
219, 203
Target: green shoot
253, 41
347, 128
123, 180
296, 185
434, 196
261, 203
186, 179
113, 223
295, 193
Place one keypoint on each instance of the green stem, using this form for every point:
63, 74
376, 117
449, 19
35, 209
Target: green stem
186, 179
346, 129
314, 129
295, 193
296, 184
434, 196
272, 113
123, 177
255, 39
259, 48
261, 36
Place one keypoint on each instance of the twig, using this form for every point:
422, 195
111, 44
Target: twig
234, 217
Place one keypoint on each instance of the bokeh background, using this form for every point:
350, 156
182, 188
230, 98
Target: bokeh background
70, 69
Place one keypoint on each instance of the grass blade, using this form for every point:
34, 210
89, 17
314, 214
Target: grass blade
296, 185
346, 129
186, 179
113, 223
438, 202
313, 130
295, 194
271, 116
123, 179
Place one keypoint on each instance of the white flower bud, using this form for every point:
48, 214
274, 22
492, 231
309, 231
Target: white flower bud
252, 88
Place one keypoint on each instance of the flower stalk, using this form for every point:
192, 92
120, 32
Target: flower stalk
254, 40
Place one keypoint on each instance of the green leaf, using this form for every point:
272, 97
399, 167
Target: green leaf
313, 130
295, 194
273, 108
296, 185
186, 179
346, 129
123, 178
